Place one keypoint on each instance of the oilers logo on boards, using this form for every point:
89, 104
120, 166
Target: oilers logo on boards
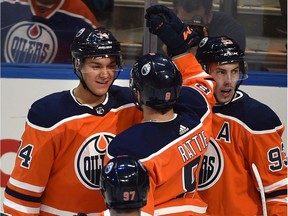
212, 166
89, 159
30, 42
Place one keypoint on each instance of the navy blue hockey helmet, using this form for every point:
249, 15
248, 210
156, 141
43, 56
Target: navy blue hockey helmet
157, 79
221, 50
97, 42
124, 183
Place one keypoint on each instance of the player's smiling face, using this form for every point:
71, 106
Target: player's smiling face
98, 73
226, 77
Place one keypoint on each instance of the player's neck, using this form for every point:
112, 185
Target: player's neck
150, 115
84, 96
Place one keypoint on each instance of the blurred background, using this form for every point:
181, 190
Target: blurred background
36, 60
264, 22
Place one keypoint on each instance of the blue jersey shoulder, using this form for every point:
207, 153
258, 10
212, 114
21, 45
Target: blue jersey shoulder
144, 139
190, 100
53, 108
256, 115
120, 95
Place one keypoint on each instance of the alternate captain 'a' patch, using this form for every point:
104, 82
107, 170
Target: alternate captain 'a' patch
30, 42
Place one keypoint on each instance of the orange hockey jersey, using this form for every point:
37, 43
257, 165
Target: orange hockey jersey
58, 164
245, 131
172, 151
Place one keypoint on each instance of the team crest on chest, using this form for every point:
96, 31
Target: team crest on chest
89, 159
30, 42
212, 166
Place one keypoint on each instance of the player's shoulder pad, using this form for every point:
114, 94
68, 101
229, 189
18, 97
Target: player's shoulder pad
51, 109
255, 114
139, 142
122, 95
191, 100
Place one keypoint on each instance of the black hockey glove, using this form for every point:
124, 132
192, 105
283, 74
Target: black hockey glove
176, 35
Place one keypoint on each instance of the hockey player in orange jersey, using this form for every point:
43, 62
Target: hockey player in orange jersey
245, 132
124, 184
175, 133
60, 156
170, 144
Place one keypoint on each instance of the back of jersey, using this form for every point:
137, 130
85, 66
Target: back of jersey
173, 150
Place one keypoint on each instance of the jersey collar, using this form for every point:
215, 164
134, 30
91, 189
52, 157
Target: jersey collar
45, 12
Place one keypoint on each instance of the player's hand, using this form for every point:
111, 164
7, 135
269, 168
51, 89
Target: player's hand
157, 14
176, 35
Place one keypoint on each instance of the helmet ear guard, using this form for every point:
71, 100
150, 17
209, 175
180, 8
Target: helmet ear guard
137, 98
77, 63
243, 67
135, 91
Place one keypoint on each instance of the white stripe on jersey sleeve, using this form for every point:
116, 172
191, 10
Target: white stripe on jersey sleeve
21, 208
276, 185
26, 186
179, 209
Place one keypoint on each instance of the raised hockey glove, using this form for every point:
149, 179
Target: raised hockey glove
176, 35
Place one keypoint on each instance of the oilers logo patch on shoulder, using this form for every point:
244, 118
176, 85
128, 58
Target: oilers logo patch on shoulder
30, 42
212, 166
89, 159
